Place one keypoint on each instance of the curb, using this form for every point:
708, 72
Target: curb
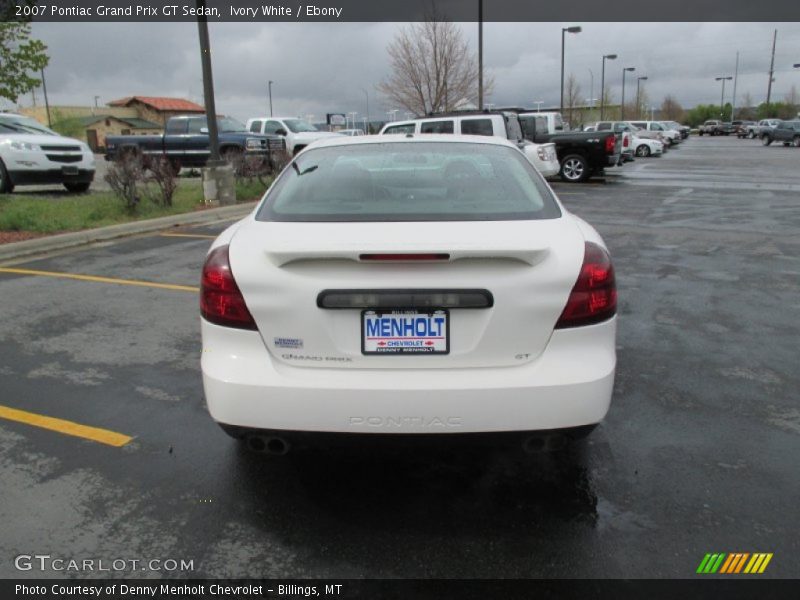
79, 238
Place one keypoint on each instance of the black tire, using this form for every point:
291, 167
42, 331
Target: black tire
78, 188
787, 144
700, 133
574, 169
751, 135
766, 140
643, 150
6, 185
796, 141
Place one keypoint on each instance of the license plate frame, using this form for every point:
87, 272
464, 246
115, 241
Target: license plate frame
407, 345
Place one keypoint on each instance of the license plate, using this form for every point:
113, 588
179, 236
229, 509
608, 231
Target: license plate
69, 170
405, 332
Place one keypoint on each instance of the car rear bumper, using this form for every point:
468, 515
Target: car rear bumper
568, 385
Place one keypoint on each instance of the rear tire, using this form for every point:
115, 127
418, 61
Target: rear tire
78, 188
6, 185
796, 141
766, 140
574, 169
751, 135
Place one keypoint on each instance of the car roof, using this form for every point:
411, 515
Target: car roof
410, 138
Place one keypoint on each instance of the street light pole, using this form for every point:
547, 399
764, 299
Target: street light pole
722, 96
366, 95
622, 105
574, 29
208, 83
638, 104
270, 97
603, 84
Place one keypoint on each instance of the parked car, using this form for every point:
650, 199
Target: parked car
350, 132
296, 133
501, 124
684, 130
32, 154
740, 128
787, 132
708, 128
765, 126
724, 128
185, 143
670, 136
423, 284
643, 147
581, 154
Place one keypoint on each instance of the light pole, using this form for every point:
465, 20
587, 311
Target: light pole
270, 97
638, 104
366, 95
603, 84
622, 104
574, 29
591, 82
538, 104
722, 96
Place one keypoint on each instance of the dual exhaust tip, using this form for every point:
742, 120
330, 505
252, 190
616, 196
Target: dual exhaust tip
266, 444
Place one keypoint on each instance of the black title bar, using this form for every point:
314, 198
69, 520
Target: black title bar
228, 11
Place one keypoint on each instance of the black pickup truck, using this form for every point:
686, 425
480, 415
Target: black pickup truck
581, 154
185, 143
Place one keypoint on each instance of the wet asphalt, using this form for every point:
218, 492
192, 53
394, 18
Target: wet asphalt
698, 454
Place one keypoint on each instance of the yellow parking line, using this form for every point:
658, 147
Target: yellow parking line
102, 436
190, 235
162, 286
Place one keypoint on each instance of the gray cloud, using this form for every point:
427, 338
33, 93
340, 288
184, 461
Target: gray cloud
323, 67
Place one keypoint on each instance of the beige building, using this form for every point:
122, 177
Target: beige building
99, 126
157, 109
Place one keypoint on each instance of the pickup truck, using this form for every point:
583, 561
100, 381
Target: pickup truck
492, 123
185, 143
709, 127
297, 133
763, 126
787, 132
581, 154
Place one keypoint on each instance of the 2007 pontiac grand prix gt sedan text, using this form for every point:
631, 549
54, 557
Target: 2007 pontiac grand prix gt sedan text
424, 284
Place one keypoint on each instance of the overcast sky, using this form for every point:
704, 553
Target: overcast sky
321, 68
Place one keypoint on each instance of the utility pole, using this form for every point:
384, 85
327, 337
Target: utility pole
218, 182
46, 102
735, 80
771, 67
480, 56
269, 85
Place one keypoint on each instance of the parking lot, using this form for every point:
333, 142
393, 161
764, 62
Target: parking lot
698, 454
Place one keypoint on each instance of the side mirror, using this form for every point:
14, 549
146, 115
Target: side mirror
204, 130
280, 131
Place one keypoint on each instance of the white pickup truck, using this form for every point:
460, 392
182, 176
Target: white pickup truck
492, 123
296, 132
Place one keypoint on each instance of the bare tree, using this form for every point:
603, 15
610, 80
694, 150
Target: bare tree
792, 97
433, 68
671, 110
572, 99
746, 108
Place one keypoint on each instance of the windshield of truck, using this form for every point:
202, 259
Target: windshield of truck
558, 122
299, 126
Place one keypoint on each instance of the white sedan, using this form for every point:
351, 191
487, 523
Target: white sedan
406, 285
647, 147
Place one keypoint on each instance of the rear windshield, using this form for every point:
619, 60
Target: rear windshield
395, 181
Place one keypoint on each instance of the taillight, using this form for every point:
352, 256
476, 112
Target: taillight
221, 301
594, 296
625, 141
611, 142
